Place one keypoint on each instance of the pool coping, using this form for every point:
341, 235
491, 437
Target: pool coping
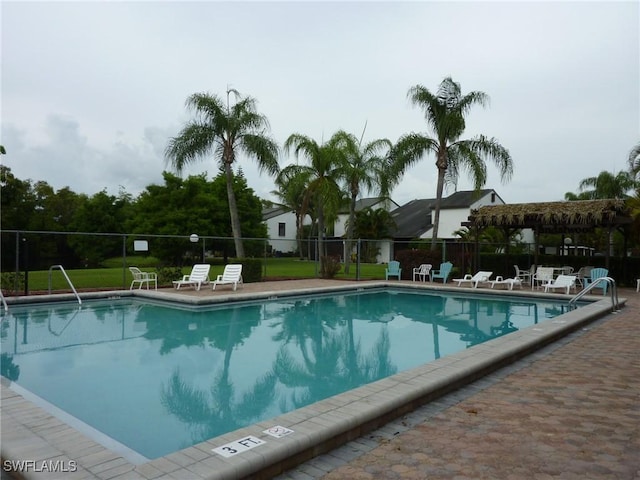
31, 433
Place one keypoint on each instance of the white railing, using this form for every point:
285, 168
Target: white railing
68, 281
608, 280
4, 302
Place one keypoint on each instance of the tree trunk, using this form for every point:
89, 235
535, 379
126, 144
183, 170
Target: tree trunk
321, 253
352, 216
436, 214
233, 213
299, 233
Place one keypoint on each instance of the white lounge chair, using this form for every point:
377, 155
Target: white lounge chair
563, 281
508, 282
480, 277
423, 272
199, 276
232, 275
143, 277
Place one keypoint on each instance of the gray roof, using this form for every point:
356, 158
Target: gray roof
465, 198
372, 202
274, 211
413, 218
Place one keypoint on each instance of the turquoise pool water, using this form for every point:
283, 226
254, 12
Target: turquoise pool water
158, 378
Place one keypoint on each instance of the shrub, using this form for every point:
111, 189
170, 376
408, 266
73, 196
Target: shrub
251, 269
166, 275
410, 259
330, 266
8, 283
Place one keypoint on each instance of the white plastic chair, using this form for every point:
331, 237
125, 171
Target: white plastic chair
523, 275
199, 275
232, 275
423, 272
143, 277
565, 282
480, 277
543, 275
509, 282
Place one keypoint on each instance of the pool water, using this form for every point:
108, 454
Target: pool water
158, 378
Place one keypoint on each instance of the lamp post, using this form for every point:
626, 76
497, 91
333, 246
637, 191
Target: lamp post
193, 238
567, 243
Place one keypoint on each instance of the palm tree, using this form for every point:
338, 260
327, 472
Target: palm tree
572, 197
364, 168
223, 130
372, 225
606, 185
445, 114
634, 160
291, 191
320, 177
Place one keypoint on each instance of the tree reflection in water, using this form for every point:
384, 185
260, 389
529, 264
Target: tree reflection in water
317, 353
214, 413
331, 360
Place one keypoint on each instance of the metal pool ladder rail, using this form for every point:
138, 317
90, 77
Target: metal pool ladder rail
68, 281
4, 302
615, 305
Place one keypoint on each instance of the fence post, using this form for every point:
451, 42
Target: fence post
15, 280
26, 265
264, 269
358, 260
124, 261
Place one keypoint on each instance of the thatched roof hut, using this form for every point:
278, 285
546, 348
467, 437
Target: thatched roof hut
553, 217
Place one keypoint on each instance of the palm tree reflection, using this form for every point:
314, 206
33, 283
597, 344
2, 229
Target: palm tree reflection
214, 413
330, 359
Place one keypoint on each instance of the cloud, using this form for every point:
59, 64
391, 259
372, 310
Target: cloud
90, 107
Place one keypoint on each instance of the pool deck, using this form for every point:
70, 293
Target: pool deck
538, 403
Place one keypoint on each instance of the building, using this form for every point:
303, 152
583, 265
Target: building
281, 228
414, 220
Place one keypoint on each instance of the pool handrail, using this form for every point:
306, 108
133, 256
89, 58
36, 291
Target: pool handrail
68, 281
4, 302
615, 304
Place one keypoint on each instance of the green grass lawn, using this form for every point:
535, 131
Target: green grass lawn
113, 276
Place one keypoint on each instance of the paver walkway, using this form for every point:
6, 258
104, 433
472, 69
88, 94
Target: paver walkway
570, 411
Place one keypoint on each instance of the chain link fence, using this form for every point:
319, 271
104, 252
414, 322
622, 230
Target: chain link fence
101, 260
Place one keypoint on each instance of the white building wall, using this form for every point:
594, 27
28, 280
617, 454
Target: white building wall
282, 243
340, 227
386, 248
451, 218
451, 221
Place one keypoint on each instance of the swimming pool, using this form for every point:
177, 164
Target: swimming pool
159, 378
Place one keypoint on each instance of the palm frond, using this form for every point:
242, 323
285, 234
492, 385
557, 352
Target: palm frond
193, 142
264, 149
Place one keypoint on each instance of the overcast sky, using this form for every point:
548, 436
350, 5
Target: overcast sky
92, 91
